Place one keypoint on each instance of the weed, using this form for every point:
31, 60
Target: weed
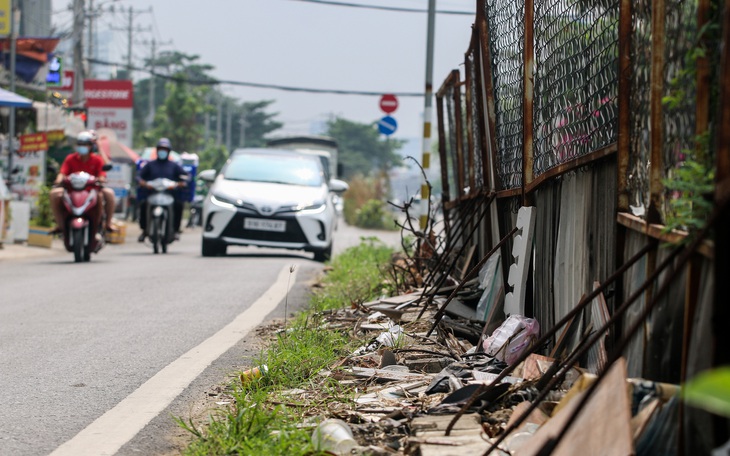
265, 418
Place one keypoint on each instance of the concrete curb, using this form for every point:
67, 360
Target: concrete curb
10, 251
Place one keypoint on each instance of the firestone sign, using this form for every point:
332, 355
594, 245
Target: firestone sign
109, 105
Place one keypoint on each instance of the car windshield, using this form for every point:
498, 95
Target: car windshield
274, 168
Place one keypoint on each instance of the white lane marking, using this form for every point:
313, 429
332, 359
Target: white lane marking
112, 430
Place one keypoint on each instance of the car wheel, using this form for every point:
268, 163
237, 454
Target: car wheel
323, 255
212, 247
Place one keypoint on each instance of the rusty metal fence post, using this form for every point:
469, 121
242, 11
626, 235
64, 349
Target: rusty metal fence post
658, 42
721, 311
528, 99
624, 104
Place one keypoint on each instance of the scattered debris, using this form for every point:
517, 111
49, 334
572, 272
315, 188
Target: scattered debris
409, 387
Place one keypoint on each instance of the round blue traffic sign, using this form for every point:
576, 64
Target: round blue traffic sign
387, 125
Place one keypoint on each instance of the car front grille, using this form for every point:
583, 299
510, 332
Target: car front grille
293, 233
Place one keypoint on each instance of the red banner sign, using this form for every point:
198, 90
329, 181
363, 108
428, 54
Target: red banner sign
33, 142
108, 94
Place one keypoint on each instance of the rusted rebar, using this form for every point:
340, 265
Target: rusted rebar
452, 266
439, 315
545, 337
552, 443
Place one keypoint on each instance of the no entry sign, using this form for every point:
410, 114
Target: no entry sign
388, 103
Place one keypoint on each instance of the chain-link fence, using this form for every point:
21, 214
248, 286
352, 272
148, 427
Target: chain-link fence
506, 27
639, 159
576, 80
447, 140
474, 106
680, 89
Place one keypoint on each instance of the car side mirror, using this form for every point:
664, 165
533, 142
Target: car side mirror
207, 175
338, 186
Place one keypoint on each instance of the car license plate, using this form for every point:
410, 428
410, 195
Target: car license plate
264, 225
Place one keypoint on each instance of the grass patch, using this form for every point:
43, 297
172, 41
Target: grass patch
357, 276
275, 413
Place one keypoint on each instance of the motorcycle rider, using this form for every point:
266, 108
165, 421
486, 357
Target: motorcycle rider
161, 167
109, 197
81, 160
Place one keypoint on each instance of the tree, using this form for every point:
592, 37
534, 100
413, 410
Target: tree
361, 148
178, 118
185, 94
181, 74
259, 123
212, 157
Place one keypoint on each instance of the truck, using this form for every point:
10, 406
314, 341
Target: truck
322, 146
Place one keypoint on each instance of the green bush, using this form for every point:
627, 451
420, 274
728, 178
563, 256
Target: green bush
43, 213
373, 215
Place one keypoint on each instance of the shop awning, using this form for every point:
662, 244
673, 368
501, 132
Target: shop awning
50, 117
115, 150
11, 99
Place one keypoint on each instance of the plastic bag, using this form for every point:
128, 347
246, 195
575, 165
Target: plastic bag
514, 336
391, 337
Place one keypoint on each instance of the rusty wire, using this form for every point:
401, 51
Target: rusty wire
507, 30
482, 211
576, 79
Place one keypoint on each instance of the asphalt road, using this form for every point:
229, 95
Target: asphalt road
99, 356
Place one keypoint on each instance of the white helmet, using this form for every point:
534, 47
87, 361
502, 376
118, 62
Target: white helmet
85, 138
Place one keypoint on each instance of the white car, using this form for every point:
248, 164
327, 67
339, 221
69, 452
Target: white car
270, 198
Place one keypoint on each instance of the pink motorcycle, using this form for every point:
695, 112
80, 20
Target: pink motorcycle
82, 199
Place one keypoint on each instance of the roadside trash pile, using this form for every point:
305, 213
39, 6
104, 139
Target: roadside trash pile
452, 366
461, 390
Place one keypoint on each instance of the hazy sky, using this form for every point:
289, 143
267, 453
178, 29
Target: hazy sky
293, 43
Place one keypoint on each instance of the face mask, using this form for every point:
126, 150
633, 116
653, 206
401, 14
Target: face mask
162, 154
82, 150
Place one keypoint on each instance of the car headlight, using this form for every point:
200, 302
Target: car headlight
222, 201
315, 206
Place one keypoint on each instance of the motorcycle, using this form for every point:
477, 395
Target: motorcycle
160, 213
196, 212
81, 198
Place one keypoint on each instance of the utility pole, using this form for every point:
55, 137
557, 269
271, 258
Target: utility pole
243, 123
152, 85
78, 53
90, 39
152, 65
219, 122
229, 122
206, 138
14, 12
130, 29
129, 42
427, 111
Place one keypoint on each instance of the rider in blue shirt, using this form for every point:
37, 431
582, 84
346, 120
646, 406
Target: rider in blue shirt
162, 167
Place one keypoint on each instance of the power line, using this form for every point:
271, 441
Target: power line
213, 81
384, 8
